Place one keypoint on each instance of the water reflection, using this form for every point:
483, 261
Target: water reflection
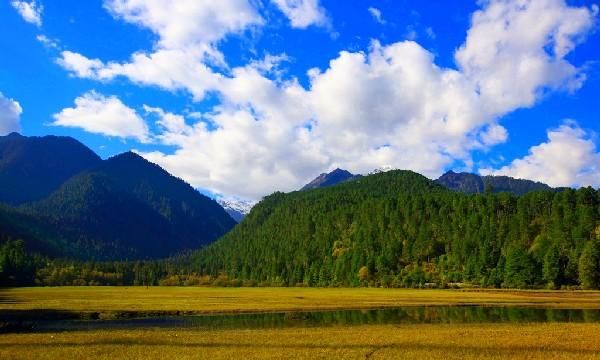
397, 316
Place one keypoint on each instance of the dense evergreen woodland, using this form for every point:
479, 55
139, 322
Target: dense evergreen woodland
20, 267
394, 229
400, 229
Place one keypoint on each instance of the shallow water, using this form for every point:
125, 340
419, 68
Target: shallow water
397, 316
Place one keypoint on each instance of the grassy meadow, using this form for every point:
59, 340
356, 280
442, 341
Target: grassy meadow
550, 340
206, 300
481, 341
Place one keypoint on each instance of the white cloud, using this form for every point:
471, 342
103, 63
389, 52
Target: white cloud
10, 113
79, 65
494, 134
168, 69
271, 64
391, 105
394, 106
376, 14
186, 23
173, 127
516, 50
106, 115
30, 11
253, 143
187, 30
303, 13
48, 42
568, 158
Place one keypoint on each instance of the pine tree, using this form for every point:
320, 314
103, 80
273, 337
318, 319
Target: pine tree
552, 267
589, 266
519, 269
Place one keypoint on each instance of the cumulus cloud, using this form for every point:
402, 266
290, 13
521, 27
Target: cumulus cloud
168, 69
187, 32
106, 115
251, 144
173, 127
568, 158
376, 14
391, 105
79, 65
303, 13
494, 134
186, 23
10, 113
516, 50
30, 11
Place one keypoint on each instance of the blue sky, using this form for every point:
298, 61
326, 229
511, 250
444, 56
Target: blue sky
245, 97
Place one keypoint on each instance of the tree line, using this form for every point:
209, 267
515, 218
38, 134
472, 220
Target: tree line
395, 229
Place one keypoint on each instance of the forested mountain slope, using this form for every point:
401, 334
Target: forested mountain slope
38, 237
62, 200
400, 229
129, 208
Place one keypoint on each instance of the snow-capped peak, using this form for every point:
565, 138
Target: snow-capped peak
236, 208
384, 168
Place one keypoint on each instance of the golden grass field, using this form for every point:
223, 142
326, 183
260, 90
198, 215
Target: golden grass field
234, 300
403, 341
481, 341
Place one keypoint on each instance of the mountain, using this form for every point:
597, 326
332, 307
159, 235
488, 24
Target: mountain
64, 201
329, 179
400, 229
33, 167
237, 209
305, 224
101, 221
129, 208
475, 184
462, 182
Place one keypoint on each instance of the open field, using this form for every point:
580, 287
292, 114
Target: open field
455, 341
362, 341
199, 300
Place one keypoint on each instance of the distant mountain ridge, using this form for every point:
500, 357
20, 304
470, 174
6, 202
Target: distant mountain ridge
64, 200
121, 208
329, 179
474, 184
462, 182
